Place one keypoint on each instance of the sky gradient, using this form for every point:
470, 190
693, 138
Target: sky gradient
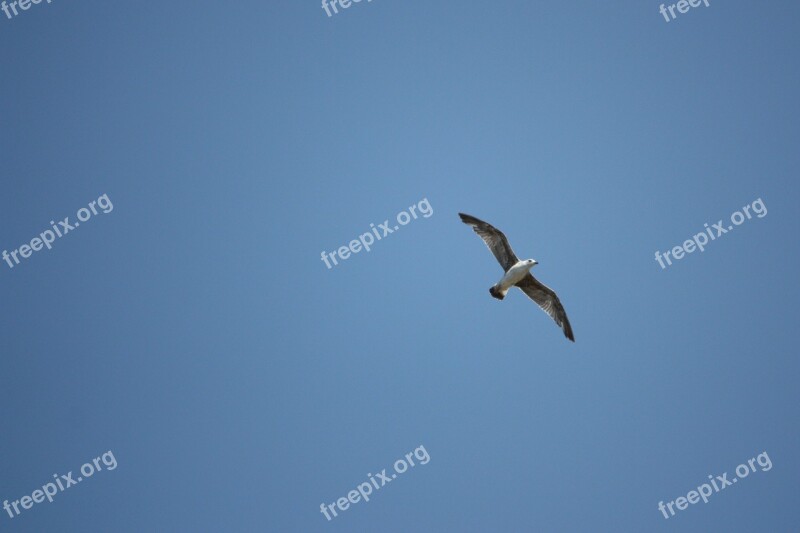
195, 331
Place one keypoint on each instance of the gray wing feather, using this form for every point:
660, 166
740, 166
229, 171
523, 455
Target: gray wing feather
494, 239
548, 301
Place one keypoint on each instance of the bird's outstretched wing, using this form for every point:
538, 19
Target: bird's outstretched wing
548, 301
494, 239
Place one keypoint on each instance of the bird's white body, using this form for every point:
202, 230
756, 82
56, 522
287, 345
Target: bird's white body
514, 275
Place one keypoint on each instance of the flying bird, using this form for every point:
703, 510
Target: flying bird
517, 273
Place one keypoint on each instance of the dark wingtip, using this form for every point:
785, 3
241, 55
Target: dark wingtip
468, 219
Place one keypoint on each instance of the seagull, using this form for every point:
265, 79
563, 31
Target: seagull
517, 273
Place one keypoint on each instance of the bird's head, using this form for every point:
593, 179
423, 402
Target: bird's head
532, 262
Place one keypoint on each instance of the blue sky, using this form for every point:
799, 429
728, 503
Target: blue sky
196, 333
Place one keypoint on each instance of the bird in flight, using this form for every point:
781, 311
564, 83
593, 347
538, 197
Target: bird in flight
517, 273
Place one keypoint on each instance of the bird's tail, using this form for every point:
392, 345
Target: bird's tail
496, 292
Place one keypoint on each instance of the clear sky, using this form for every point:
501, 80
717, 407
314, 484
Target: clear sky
196, 333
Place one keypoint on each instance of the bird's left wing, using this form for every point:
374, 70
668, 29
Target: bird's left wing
548, 301
494, 239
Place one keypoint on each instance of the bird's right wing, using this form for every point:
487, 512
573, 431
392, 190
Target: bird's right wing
494, 239
548, 301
